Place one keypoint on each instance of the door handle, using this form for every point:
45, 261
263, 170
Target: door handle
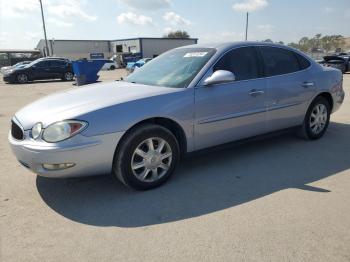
307, 84
255, 92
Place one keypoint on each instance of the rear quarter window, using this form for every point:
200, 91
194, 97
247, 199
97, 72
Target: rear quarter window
303, 62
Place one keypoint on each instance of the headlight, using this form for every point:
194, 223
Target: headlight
9, 71
36, 130
63, 130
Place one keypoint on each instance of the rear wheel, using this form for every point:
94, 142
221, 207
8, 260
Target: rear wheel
112, 67
316, 120
68, 76
146, 158
22, 78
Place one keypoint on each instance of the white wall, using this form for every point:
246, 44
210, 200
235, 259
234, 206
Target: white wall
151, 47
126, 44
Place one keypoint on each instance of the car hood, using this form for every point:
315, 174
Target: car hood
74, 102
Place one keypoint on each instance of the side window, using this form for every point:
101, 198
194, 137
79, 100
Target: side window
43, 64
303, 62
56, 63
279, 61
243, 62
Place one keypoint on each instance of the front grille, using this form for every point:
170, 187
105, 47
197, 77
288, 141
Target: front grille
16, 131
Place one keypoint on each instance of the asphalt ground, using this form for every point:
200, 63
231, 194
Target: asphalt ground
273, 199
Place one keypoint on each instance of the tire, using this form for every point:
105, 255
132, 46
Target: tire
68, 76
150, 170
22, 78
112, 67
311, 131
343, 69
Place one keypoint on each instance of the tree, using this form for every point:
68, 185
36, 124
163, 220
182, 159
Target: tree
294, 45
327, 43
268, 41
177, 34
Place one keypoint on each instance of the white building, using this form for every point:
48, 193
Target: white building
90, 49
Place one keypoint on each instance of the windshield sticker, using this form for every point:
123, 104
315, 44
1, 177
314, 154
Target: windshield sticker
196, 54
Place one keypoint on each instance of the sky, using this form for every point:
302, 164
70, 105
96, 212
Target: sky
208, 20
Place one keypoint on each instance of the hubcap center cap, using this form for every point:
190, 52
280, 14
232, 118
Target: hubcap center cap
153, 160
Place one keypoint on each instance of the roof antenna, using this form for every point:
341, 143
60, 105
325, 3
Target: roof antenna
246, 27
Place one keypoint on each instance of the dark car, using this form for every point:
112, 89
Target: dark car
341, 62
43, 68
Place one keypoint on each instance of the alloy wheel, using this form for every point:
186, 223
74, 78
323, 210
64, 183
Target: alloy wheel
68, 76
151, 159
22, 78
318, 118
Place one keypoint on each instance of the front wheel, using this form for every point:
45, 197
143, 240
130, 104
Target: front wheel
146, 157
316, 120
22, 78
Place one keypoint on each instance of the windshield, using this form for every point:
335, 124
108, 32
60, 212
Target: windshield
175, 68
34, 62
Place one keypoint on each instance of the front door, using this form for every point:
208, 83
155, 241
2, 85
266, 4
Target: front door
41, 70
232, 111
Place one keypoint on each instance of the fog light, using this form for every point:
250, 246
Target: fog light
58, 166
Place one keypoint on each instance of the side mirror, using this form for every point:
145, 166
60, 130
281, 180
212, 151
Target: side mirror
219, 77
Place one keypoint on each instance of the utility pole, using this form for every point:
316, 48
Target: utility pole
246, 27
42, 16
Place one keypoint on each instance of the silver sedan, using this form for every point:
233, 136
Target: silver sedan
187, 99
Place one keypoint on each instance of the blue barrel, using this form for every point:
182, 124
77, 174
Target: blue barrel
86, 70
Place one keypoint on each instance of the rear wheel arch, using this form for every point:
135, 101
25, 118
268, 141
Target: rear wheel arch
327, 96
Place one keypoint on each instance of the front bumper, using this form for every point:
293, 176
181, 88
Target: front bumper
90, 155
9, 78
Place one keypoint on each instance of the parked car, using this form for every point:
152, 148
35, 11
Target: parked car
42, 68
110, 65
341, 62
130, 67
18, 65
186, 99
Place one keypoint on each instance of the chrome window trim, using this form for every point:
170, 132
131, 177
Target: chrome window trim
199, 84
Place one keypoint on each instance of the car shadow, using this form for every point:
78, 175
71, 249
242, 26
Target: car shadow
205, 182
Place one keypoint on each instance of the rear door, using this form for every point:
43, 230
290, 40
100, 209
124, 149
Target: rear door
57, 68
290, 86
231, 111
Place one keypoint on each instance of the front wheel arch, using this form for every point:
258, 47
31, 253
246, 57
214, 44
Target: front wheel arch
167, 123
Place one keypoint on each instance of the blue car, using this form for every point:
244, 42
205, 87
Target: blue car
42, 68
187, 99
130, 67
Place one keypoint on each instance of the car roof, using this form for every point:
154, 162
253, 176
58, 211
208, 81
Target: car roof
54, 58
229, 45
224, 47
